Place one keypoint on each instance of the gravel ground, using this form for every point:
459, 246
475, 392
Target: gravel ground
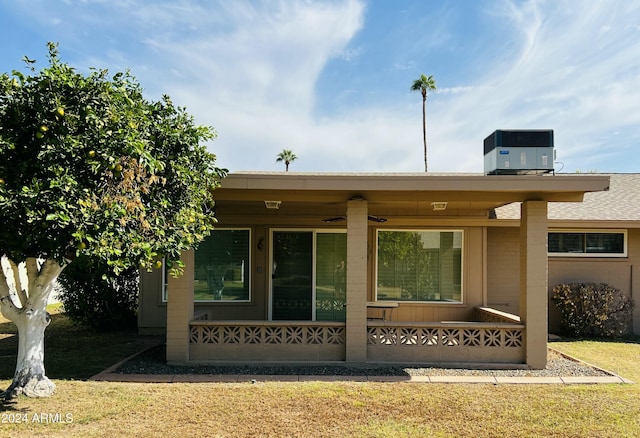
152, 362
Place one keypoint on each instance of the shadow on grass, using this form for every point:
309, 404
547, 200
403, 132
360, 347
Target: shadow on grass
72, 352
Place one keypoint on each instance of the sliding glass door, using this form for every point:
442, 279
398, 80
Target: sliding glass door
308, 276
292, 275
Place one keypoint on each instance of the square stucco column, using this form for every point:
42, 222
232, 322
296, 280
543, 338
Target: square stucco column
356, 325
533, 281
180, 311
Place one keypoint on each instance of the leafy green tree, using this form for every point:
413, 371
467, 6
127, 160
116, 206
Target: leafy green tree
424, 84
88, 166
287, 156
94, 297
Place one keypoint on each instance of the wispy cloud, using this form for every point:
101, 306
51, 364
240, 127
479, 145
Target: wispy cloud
252, 70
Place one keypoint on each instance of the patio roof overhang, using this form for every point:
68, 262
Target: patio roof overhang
460, 191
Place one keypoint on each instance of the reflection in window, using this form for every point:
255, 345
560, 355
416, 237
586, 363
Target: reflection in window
331, 276
222, 266
419, 266
599, 244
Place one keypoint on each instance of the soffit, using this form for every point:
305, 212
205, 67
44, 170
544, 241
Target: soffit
462, 191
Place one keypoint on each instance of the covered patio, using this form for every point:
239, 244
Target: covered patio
450, 213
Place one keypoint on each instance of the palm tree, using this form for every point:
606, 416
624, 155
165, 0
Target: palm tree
287, 156
423, 84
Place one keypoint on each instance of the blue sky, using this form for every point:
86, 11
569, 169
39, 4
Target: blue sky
330, 79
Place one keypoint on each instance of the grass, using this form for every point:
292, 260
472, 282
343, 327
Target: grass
71, 351
315, 409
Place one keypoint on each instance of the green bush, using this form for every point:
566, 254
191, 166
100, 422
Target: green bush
92, 295
593, 310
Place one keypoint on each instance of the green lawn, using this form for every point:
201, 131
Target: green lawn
314, 409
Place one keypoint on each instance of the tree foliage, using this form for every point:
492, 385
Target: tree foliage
89, 166
287, 156
93, 297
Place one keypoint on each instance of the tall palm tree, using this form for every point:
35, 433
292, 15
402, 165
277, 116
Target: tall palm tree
424, 84
287, 156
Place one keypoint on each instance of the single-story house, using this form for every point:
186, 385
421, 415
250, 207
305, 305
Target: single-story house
392, 268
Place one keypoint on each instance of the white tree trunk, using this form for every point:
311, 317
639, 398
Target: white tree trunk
30, 315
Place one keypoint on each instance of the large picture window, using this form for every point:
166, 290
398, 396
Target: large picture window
600, 243
417, 265
222, 266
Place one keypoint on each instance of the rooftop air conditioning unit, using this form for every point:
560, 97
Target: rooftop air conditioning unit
519, 152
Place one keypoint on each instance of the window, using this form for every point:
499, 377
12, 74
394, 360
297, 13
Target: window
221, 266
600, 243
308, 278
419, 266
331, 276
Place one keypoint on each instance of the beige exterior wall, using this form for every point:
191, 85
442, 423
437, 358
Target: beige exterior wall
503, 271
152, 312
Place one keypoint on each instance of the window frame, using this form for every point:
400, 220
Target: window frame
314, 232
165, 283
586, 254
423, 230
248, 280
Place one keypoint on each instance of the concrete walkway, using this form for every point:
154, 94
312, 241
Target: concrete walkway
246, 378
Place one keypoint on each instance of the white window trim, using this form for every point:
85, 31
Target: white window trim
590, 254
421, 230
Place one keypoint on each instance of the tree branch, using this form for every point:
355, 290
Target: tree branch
49, 272
32, 273
7, 306
43, 281
20, 291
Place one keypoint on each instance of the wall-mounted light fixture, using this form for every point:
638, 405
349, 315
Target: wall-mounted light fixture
439, 206
272, 205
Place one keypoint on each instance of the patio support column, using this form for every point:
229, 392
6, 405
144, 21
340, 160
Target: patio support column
180, 311
533, 281
356, 323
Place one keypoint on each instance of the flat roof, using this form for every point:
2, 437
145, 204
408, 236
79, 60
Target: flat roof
491, 190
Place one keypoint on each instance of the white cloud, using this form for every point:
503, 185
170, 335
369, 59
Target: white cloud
251, 70
558, 76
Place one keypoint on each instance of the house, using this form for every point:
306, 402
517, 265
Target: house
392, 268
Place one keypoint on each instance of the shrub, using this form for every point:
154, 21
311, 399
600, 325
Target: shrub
92, 295
593, 310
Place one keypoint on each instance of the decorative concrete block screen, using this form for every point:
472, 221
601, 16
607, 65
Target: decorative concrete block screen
447, 342
212, 341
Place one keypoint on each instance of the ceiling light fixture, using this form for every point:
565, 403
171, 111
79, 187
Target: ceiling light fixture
439, 206
272, 205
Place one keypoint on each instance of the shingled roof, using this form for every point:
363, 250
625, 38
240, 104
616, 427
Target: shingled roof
620, 203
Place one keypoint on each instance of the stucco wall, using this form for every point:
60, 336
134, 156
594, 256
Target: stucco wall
503, 272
